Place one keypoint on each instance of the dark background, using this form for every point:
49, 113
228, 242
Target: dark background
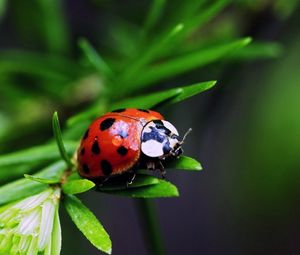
246, 134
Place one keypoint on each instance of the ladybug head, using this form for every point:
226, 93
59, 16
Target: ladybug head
161, 139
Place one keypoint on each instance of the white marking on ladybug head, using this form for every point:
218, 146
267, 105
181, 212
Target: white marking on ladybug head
152, 148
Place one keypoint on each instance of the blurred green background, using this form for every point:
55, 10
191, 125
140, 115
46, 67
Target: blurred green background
246, 130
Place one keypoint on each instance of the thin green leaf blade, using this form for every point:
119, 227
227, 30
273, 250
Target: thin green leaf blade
191, 90
202, 17
35, 154
147, 101
259, 50
41, 180
87, 223
77, 186
23, 187
140, 180
148, 56
59, 140
187, 62
161, 189
185, 163
170, 96
94, 58
154, 14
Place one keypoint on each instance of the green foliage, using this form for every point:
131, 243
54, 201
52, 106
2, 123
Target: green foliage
149, 101
87, 223
24, 161
158, 190
41, 180
185, 163
171, 41
77, 186
187, 62
140, 180
24, 187
94, 58
39, 153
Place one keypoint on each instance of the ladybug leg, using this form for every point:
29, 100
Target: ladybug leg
157, 165
161, 169
131, 179
151, 165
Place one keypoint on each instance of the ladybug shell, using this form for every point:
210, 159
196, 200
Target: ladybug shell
111, 145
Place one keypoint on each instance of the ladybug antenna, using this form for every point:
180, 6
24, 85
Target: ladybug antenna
185, 135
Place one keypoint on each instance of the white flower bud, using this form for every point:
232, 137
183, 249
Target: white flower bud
26, 226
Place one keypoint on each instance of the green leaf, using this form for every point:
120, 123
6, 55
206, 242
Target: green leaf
164, 97
3, 6
161, 189
154, 14
185, 163
12, 172
87, 223
35, 154
194, 14
191, 90
259, 50
198, 19
147, 101
185, 63
23, 187
59, 141
41, 65
140, 180
41, 180
77, 186
53, 26
94, 58
147, 56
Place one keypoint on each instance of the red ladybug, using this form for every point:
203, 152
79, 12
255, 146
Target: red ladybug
120, 140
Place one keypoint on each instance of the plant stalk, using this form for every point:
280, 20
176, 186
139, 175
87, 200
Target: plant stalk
150, 225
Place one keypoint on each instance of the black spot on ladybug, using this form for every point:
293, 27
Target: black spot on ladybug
85, 168
143, 110
107, 123
95, 147
106, 167
119, 110
122, 151
86, 134
82, 151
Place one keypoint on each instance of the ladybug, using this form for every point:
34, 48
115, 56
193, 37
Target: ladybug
124, 139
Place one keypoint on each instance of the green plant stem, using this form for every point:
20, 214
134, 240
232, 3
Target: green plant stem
150, 225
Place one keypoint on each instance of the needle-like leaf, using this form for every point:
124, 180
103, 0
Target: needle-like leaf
59, 140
